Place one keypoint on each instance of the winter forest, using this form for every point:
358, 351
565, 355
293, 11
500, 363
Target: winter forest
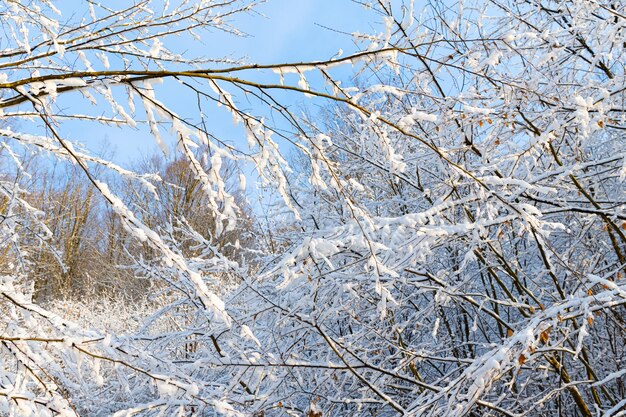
430, 222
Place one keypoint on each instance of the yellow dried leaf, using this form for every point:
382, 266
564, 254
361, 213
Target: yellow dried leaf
522, 359
509, 332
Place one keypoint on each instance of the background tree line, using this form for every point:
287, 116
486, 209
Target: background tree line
88, 254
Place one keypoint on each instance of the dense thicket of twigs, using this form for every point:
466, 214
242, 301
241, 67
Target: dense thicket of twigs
450, 238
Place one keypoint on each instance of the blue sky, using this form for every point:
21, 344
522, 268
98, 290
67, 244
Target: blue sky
291, 31
288, 31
